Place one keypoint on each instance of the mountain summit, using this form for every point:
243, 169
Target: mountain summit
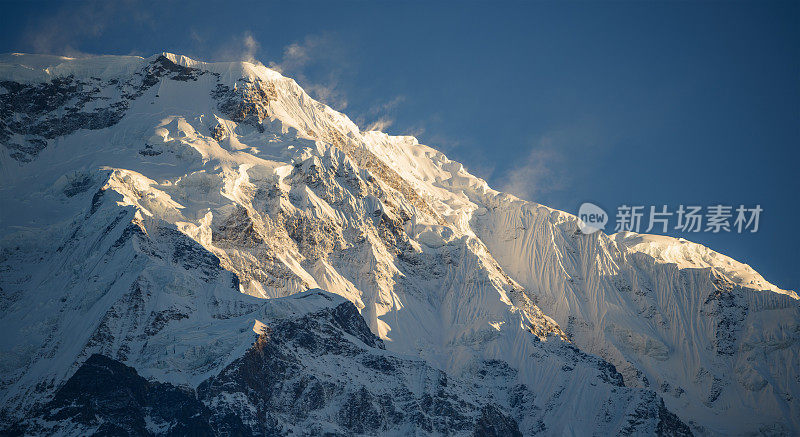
192, 247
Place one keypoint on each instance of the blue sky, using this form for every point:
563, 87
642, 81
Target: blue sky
637, 103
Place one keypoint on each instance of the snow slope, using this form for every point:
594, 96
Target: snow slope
686, 254
150, 205
718, 341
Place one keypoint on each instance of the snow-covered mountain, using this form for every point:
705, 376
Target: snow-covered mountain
163, 219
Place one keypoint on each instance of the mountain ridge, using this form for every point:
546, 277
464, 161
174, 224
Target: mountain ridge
286, 194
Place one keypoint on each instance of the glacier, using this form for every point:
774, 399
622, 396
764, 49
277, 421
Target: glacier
160, 216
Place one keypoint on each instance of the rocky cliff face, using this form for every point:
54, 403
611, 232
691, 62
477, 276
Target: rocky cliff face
315, 368
173, 242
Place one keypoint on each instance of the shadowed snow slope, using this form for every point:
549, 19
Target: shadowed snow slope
160, 215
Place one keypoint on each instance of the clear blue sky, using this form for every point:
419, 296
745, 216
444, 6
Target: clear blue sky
639, 103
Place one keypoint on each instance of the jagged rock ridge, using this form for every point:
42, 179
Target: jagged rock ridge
154, 240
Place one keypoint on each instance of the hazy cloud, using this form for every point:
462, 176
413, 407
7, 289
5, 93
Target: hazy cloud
430, 131
297, 55
63, 31
381, 116
195, 36
538, 173
243, 47
380, 124
317, 63
250, 48
555, 160
415, 131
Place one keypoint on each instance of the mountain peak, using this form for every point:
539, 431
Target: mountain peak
151, 205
